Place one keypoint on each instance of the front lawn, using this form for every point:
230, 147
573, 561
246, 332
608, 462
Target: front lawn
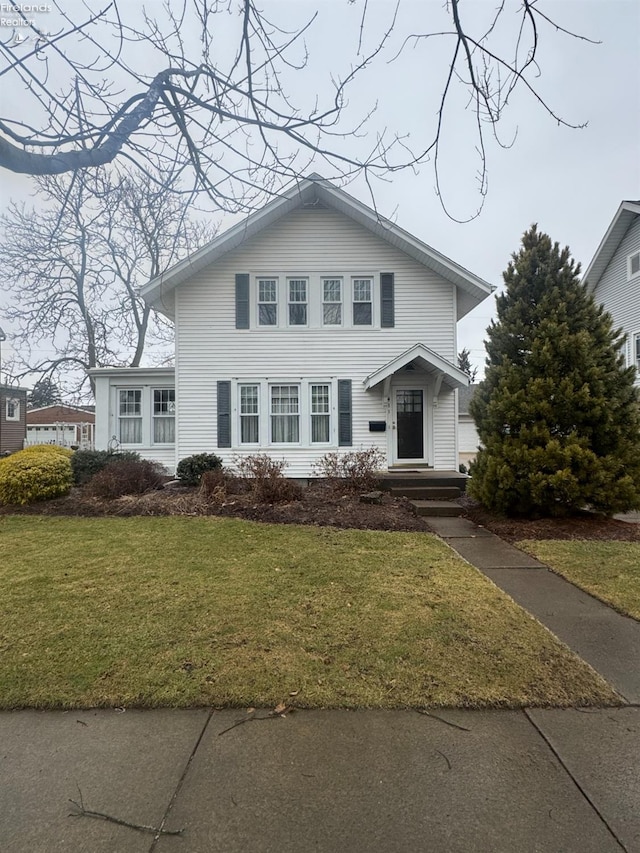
222, 612
608, 570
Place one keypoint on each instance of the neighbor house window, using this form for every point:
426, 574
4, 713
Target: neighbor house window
12, 410
130, 415
297, 301
320, 414
332, 301
285, 413
267, 302
362, 313
634, 265
249, 414
164, 416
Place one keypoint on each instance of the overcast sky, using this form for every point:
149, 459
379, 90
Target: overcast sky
568, 181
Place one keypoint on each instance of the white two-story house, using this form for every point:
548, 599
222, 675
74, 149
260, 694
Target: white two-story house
613, 276
312, 326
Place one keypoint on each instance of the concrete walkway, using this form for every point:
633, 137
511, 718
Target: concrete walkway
607, 640
564, 781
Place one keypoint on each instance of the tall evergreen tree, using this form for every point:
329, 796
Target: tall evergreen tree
557, 414
464, 363
45, 393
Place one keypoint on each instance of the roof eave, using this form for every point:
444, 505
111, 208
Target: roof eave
622, 221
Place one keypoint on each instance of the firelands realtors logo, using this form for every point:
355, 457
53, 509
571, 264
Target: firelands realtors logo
22, 18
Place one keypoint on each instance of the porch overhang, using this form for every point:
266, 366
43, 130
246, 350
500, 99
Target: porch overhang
425, 360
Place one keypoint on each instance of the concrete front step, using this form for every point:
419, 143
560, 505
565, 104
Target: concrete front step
410, 479
447, 493
437, 508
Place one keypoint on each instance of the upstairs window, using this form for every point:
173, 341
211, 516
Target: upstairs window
332, 301
297, 302
362, 304
130, 415
634, 265
267, 302
12, 410
164, 416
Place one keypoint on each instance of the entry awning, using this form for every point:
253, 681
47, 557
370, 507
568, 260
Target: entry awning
423, 359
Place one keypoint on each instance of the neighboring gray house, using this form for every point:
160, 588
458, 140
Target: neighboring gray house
312, 326
613, 276
467, 433
13, 418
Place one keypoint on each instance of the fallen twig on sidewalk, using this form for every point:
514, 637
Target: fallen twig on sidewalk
279, 711
445, 758
442, 720
141, 827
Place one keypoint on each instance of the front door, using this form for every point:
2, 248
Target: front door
410, 423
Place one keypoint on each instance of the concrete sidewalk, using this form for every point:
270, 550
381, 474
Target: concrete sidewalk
328, 781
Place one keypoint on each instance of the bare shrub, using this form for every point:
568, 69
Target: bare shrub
355, 471
265, 479
217, 485
126, 477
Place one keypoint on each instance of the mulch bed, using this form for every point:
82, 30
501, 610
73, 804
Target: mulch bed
320, 505
323, 505
585, 525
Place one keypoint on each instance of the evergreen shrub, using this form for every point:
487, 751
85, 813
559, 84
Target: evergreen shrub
191, 468
86, 463
557, 414
33, 475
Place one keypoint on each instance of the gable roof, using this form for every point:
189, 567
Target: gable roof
311, 191
622, 221
61, 412
427, 360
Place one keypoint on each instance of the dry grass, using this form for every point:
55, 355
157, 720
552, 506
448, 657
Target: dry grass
608, 570
209, 611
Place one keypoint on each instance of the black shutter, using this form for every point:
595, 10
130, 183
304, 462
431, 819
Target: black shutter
242, 300
224, 414
344, 413
387, 308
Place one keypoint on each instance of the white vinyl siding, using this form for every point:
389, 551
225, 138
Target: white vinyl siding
620, 293
317, 245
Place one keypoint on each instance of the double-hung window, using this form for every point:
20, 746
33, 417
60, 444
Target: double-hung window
249, 414
320, 414
362, 302
267, 302
12, 410
164, 416
130, 415
332, 301
285, 414
297, 301
634, 265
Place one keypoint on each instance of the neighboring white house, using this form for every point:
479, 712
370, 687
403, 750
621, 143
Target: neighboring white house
613, 276
468, 439
312, 326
